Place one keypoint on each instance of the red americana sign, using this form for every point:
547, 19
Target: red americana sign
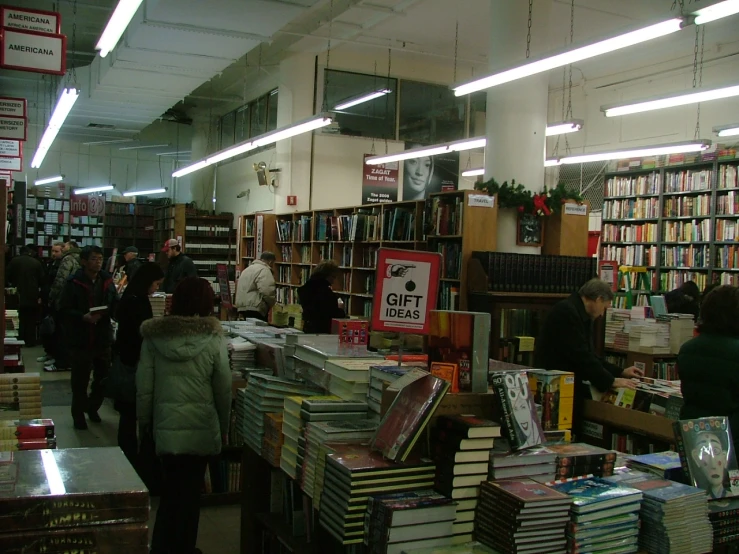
11, 148
33, 51
25, 19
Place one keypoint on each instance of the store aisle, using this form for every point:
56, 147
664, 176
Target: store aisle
219, 526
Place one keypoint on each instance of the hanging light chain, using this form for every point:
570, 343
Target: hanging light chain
700, 82
695, 56
324, 106
528, 36
569, 90
387, 96
74, 43
456, 50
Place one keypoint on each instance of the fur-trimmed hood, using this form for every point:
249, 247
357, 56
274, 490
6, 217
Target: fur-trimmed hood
181, 338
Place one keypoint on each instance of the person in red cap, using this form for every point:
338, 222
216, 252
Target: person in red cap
180, 266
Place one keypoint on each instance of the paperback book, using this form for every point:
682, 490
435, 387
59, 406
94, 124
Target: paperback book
516, 403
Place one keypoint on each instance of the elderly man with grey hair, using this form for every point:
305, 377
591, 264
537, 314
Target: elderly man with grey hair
566, 343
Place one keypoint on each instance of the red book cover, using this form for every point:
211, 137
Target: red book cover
27, 429
527, 491
360, 458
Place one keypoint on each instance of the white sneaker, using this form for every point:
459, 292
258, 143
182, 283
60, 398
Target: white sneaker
44, 359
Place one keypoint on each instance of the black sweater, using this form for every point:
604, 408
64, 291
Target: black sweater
320, 305
132, 312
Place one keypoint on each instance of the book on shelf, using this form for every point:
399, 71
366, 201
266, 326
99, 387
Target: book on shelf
398, 224
444, 215
518, 411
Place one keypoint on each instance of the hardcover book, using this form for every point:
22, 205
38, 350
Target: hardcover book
470, 426
516, 402
707, 454
596, 494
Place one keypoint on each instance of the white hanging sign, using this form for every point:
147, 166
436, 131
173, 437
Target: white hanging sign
10, 149
32, 51
14, 107
31, 20
259, 234
575, 209
11, 164
481, 200
13, 128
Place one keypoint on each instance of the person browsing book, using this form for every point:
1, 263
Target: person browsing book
566, 343
255, 292
709, 363
319, 302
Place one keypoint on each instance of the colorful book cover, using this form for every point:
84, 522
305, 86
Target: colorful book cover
516, 401
587, 493
659, 460
360, 458
528, 491
447, 371
471, 426
579, 453
707, 455
418, 397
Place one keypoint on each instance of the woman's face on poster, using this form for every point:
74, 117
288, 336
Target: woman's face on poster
417, 172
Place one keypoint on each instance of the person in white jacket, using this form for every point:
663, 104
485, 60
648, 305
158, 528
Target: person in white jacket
255, 293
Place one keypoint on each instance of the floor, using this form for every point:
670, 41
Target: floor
219, 526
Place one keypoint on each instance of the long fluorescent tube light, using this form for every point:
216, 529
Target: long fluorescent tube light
551, 162
362, 99
119, 20
670, 101
564, 127
425, 151
717, 11
144, 146
659, 150
473, 172
144, 192
310, 124
573, 56
61, 111
49, 180
88, 190
727, 130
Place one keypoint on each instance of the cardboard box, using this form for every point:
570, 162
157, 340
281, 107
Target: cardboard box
351, 331
635, 421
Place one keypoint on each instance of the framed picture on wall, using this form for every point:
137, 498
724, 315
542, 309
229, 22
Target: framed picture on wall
530, 230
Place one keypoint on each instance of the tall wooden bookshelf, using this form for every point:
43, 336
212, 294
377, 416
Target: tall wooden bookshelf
129, 224
679, 221
169, 223
210, 240
47, 218
256, 234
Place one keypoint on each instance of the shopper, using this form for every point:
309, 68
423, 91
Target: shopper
183, 395
131, 256
566, 343
133, 309
684, 300
255, 292
68, 266
709, 363
27, 274
89, 334
50, 340
320, 303
180, 266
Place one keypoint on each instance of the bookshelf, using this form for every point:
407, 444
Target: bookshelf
454, 228
169, 223
679, 221
47, 218
209, 240
129, 224
257, 233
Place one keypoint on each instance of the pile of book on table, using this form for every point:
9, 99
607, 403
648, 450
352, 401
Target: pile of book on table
577, 459
461, 447
665, 465
537, 462
522, 516
20, 396
160, 304
272, 442
26, 434
241, 353
60, 500
12, 323
13, 361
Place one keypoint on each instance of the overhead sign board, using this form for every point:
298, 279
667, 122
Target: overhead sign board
33, 51
406, 289
11, 148
87, 204
14, 107
13, 128
31, 20
11, 164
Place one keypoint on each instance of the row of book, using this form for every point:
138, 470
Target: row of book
727, 204
654, 396
20, 396
687, 206
725, 230
222, 476
639, 208
697, 230
636, 255
675, 278
444, 216
688, 180
685, 256
727, 177
645, 232
637, 185
448, 296
359, 226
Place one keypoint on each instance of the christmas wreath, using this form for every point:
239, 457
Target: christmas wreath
513, 195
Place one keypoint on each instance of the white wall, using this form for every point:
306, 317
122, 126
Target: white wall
239, 176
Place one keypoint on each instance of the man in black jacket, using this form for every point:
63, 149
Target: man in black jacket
180, 266
89, 333
50, 341
131, 255
566, 343
27, 274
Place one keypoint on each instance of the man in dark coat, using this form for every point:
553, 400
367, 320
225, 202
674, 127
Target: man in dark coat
27, 274
319, 302
180, 266
566, 343
89, 333
50, 341
131, 255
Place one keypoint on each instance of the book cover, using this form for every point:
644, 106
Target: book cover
596, 494
535, 455
419, 395
707, 455
447, 371
516, 403
579, 453
360, 458
331, 404
527, 491
470, 426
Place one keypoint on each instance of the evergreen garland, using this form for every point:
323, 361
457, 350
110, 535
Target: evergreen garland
513, 195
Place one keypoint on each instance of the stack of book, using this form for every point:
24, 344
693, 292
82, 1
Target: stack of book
20, 396
579, 459
241, 353
665, 465
381, 376
682, 329
674, 517
13, 362
522, 516
291, 461
461, 447
596, 504
396, 523
26, 434
59, 500
724, 518
265, 394
538, 463
353, 474
12, 323
272, 443
160, 304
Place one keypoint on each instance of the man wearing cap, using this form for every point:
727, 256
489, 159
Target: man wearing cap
180, 266
131, 255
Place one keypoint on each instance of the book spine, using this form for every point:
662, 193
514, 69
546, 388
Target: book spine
680, 445
506, 410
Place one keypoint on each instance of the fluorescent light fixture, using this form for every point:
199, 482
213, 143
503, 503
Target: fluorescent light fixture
551, 162
425, 151
670, 101
310, 124
362, 99
122, 15
564, 127
49, 180
727, 130
473, 172
639, 152
112, 141
717, 11
573, 56
88, 190
144, 192
53, 475
144, 146
61, 111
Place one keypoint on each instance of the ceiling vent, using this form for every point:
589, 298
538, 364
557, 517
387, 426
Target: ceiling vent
100, 126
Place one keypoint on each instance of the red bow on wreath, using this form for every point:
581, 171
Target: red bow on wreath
540, 205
